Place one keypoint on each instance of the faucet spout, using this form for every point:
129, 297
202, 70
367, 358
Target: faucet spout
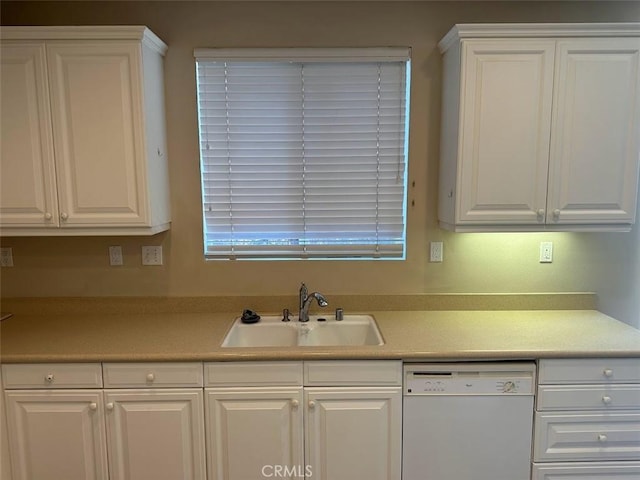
306, 300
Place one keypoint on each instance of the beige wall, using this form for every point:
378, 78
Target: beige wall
473, 262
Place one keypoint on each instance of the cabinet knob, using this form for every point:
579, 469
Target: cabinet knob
48, 216
109, 406
295, 403
541, 213
150, 377
602, 438
556, 213
606, 399
49, 378
312, 404
64, 216
608, 372
93, 406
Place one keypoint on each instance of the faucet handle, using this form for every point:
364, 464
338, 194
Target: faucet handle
339, 314
285, 315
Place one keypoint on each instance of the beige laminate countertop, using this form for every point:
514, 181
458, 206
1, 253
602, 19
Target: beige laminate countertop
434, 335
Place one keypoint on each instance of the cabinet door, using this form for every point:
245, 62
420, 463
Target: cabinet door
353, 433
27, 183
596, 124
155, 434
505, 113
254, 433
57, 435
98, 119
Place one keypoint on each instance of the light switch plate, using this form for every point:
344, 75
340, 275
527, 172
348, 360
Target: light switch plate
152, 255
6, 257
546, 252
115, 256
435, 252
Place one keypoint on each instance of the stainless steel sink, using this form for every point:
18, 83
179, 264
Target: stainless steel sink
271, 331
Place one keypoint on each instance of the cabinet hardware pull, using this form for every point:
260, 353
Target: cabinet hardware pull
606, 399
64, 216
602, 438
93, 406
150, 377
49, 378
541, 213
110, 406
608, 372
294, 403
312, 404
556, 213
48, 216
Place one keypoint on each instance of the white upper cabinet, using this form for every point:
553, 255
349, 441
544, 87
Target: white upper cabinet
83, 137
540, 127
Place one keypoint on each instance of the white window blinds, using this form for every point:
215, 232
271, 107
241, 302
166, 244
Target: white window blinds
303, 152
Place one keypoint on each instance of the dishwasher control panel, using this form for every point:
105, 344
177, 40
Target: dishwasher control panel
469, 379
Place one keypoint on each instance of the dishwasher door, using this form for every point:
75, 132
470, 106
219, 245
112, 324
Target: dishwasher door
468, 422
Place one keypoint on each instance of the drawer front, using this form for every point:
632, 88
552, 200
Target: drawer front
353, 373
52, 375
152, 375
253, 374
587, 471
575, 436
588, 397
591, 370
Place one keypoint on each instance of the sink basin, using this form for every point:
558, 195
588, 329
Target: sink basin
271, 331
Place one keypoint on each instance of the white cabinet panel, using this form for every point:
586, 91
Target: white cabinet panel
506, 120
588, 397
95, 93
354, 433
156, 434
589, 370
156, 375
57, 435
254, 431
587, 471
594, 146
587, 436
27, 183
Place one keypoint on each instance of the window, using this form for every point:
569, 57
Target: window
303, 152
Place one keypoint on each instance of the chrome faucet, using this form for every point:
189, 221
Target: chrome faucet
306, 300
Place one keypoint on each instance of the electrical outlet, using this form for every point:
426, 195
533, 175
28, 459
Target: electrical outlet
6, 257
152, 255
435, 252
115, 256
546, 252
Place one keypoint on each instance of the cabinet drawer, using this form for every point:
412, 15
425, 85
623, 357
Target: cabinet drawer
588, 397
52, 375
353, 373
592, 370
575, 436
587, 471
152, 375
253, 373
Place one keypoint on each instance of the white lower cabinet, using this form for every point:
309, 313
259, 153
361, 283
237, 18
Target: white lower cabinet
351, 430
254, 432
587, 422
59, 431
155, 434
57, 434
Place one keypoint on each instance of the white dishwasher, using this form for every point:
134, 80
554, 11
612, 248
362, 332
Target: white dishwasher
468, 421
